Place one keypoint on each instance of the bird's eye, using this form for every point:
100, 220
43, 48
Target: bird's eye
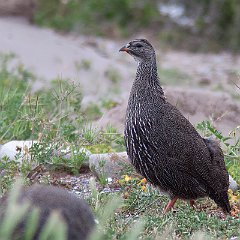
138, 45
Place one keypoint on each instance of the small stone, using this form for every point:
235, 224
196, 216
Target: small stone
109, 180
108, 165
204, 81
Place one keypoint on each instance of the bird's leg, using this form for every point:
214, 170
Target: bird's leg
191, 203
170, 204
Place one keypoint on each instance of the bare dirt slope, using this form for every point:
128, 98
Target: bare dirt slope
100, 69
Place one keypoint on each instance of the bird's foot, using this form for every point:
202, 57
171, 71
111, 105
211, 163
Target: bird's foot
170, 205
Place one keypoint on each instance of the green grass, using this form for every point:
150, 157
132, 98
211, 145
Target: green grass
140, 208
55, 118
95, 111
145, 205
78, 15
85, 64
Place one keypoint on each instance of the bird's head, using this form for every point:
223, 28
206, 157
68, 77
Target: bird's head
140, 49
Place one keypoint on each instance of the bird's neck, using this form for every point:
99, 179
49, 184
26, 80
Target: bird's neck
147, 77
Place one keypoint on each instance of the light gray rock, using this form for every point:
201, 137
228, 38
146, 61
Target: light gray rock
16, 150
17, 7
108, 165
233, 184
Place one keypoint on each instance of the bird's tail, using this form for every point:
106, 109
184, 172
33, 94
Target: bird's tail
221, 199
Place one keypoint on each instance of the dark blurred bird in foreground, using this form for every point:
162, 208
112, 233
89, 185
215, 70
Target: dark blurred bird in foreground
163, 145
74, 212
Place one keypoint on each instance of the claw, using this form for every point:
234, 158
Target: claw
191, 203
170, 204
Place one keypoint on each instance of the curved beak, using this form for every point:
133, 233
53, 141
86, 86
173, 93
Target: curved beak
124, 49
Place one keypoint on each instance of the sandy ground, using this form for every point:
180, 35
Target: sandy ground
50, 55
100, 69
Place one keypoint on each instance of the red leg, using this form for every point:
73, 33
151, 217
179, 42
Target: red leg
170, 204
191, 203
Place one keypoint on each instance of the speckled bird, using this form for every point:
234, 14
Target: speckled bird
163, 145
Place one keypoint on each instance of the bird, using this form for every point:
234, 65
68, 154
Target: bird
163, 145
75, 213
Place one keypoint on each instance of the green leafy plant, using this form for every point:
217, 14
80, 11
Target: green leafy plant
8, 170
14, 104
84, 64
84, 14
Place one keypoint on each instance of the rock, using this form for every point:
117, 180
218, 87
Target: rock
204, 81
17, 7
233, 184
16, 150
108, 165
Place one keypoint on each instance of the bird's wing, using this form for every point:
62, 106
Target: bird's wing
217, 158
183, 143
